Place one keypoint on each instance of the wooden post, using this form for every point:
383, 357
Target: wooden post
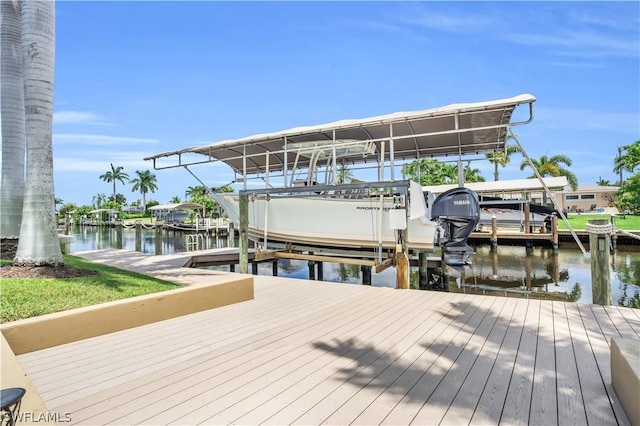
554, 233
244, 233
422, 270
312, 269
67, 221
366, 274
614, 235
599, 239
402, 268
138, 235
119, 235
254, 268
528, 269
494, 232
320, 272
494, 264
274, 268
528, 247
158, 239
527, 218
231, 236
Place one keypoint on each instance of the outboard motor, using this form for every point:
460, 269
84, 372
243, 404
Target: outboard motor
457, 211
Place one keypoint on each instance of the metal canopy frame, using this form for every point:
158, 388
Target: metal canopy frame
457, 129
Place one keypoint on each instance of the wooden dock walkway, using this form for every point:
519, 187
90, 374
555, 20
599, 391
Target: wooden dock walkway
308, 352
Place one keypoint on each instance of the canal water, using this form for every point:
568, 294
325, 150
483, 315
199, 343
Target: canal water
509, 271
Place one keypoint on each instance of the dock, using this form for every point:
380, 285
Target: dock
310, 352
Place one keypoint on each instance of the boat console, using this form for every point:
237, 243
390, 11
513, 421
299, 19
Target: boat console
457, 212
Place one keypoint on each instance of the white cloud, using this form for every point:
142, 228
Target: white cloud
584, 43
77, 117
100, 163
568, 118
89, 139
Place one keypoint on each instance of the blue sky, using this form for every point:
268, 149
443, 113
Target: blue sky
138, 78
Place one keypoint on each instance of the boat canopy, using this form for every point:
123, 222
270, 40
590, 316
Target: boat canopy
457, 129
177, 207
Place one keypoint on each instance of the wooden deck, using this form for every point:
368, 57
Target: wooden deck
308, 352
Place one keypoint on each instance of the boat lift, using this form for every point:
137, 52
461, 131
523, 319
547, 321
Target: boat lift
380, 142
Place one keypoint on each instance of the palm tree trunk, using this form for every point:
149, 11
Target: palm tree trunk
39, 244
13, 132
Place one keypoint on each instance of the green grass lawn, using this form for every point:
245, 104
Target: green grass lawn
29, 297
627, 223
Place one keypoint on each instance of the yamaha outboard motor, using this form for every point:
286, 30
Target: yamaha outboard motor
457, 211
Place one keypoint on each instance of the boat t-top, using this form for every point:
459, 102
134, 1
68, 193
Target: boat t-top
297, 198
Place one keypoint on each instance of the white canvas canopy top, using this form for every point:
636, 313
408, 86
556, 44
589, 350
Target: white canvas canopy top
176, 207
456, 129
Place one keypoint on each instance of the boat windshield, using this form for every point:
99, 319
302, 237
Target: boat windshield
326, 148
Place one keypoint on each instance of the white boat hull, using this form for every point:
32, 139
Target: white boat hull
328, 222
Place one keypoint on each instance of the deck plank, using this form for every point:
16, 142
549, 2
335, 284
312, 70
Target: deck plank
627, 327
598, 410
517, 405
489, 408
600, 347
308, 352
411, 372
544, 409
441, 400
444, 355
282, 394
571, 408
466, 400
267, 346
355, 344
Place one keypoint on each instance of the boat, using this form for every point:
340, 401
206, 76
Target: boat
510, 201
512, 214
303, 204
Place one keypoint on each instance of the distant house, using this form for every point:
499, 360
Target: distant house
588, 198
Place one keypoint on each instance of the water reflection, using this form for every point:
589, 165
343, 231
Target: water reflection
510, 270
628, 273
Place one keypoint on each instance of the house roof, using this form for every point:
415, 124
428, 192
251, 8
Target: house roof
514, 185
594, 188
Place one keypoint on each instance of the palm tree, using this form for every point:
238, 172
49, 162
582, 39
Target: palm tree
628, 159
472, 175
344, 174
99, 200
113, 175
38, 244
603, 182
551, 166
13, 127
175, 199
501, 158
195, 192
145, 182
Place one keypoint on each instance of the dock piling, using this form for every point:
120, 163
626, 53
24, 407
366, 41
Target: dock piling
599, 240
138, 246
422, 270
494, 233
243, 233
